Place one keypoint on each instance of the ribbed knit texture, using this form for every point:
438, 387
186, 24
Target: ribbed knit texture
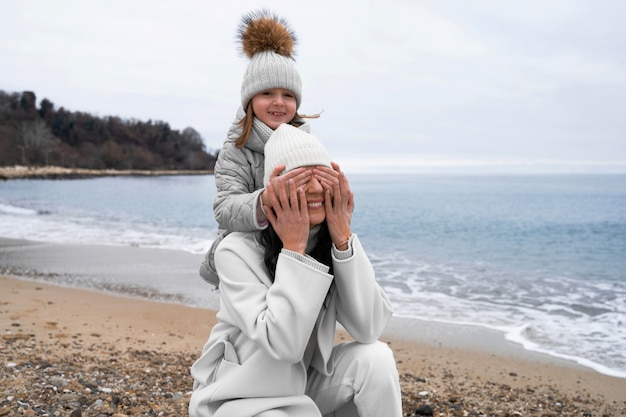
294, 148
269, 70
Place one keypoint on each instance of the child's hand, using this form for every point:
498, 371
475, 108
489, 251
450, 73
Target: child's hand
339, 203
300, 176
327, 176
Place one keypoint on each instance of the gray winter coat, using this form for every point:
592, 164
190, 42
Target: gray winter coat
239, 182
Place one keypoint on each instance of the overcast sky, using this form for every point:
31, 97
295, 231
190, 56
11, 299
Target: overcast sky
506, 86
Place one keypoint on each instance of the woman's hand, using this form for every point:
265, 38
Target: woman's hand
339, 203
288, 214
300, 176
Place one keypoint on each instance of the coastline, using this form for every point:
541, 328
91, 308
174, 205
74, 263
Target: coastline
451, 369
56, 172
139, 340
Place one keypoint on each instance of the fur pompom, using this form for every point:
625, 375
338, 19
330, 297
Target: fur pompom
261, 30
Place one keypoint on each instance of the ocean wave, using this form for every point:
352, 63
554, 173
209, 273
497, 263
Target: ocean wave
15, 210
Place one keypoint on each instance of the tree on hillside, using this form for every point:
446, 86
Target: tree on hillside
45, 135
37, 142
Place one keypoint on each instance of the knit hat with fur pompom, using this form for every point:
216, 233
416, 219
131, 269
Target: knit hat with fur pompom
293, 148
269, 43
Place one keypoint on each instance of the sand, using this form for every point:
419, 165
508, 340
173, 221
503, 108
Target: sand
69, 351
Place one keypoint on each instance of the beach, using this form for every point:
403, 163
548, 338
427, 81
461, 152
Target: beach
73, 351
57, 172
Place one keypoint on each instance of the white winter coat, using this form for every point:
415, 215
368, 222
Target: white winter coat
253, 360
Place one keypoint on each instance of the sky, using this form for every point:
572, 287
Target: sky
402, 85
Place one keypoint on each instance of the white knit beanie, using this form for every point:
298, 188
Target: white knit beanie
269, 43
293, 148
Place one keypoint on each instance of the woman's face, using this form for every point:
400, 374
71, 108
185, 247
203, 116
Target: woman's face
314, 194
274, 106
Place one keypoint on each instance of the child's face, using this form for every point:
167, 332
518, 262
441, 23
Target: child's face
274, 106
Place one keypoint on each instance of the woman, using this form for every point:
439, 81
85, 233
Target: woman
283, 290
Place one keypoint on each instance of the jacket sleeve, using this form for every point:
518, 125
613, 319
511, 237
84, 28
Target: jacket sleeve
363, 308
237, 195
279, 317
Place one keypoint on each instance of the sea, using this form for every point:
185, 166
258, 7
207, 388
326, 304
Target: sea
540, 258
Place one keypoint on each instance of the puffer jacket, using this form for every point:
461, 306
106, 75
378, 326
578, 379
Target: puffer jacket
239, 182
254, 358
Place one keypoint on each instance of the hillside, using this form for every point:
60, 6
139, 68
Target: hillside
34, 135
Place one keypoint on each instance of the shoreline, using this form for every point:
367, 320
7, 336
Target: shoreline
56, 172
140, 339
132, 270
48, 330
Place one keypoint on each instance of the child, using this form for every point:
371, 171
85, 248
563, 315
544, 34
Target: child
282, 292
271, 93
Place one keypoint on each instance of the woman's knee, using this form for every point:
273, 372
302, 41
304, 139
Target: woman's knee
376, 354
377, 350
